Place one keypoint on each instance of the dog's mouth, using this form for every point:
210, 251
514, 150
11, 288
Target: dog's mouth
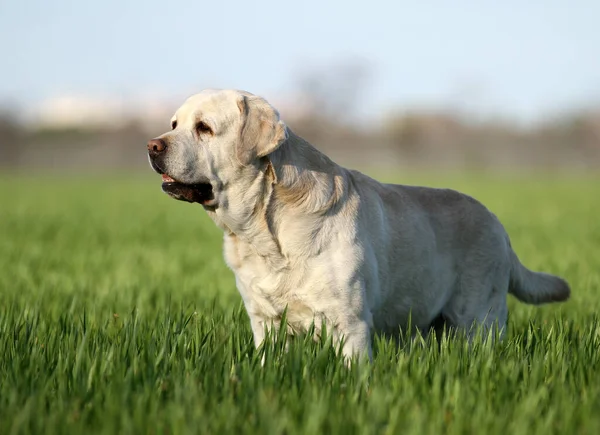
202, 193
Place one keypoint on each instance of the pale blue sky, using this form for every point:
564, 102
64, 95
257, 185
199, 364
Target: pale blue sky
526, 57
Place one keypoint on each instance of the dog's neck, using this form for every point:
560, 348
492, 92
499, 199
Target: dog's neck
296, 181
306, 179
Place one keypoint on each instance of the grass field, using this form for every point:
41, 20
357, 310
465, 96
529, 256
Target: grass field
118, 315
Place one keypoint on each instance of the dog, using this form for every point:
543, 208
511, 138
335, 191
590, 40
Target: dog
327, 245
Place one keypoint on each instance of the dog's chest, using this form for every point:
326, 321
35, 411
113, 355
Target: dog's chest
268, 292
260, 279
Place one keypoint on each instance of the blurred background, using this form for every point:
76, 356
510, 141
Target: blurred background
460, 85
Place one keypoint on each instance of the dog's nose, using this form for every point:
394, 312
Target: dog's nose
156, 146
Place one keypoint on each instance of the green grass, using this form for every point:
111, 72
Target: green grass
118, 315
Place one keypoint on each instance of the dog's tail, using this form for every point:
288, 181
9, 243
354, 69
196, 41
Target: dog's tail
535, 287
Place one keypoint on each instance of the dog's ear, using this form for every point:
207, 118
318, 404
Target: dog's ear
262, 131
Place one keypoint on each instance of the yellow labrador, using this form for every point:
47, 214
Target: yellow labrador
331, 244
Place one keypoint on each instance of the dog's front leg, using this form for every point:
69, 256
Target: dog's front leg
258, 326
356, 337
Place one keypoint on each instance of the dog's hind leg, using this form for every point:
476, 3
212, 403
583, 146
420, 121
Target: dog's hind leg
479, 303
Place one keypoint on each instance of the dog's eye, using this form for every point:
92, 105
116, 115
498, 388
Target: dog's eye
174, 125
202, 127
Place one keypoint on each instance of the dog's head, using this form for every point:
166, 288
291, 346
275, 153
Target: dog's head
214, 136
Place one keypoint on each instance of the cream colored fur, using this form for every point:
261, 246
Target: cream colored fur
332, 244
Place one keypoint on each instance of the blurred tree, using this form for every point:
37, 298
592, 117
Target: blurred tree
336, 91
10, 135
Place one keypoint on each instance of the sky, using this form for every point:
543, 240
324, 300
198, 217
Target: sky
519, 58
